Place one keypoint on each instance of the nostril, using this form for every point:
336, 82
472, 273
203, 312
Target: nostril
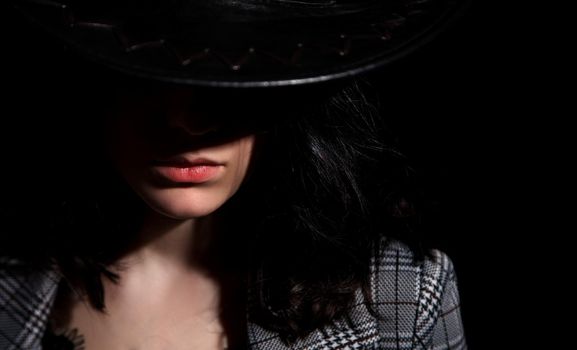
200, 131
208, 127
192, 126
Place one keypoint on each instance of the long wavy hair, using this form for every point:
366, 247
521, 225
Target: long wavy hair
329, 185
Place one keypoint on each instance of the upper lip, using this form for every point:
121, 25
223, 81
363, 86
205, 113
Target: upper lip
183, 162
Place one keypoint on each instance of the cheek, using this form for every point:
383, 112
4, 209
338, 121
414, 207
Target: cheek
243, 157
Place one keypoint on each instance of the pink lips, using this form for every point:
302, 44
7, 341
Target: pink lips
184, 170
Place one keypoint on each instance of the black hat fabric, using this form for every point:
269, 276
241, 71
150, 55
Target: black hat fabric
243, 43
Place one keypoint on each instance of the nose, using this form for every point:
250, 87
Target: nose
192, 122
185, 113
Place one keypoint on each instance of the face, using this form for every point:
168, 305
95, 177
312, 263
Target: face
176, 151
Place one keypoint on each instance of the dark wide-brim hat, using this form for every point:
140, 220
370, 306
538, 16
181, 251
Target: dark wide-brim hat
243, 43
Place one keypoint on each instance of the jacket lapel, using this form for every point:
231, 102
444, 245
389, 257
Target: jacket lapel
26, 297
356, 330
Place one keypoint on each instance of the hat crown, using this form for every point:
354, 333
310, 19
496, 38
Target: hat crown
277, 9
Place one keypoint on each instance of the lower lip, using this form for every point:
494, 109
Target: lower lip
193, 174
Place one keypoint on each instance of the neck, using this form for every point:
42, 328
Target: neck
172, 243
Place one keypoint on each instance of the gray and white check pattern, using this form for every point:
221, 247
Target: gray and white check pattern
419, 302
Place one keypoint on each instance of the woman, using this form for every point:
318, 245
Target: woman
200, 221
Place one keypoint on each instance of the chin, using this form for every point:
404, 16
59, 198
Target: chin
184, 203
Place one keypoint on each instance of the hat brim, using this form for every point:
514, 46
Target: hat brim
257, 53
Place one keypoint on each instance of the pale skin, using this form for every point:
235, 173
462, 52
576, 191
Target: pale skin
167, 297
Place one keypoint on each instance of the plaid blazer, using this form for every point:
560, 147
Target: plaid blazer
420, 302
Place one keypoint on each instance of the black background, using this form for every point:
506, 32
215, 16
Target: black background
471, 119
435, 100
